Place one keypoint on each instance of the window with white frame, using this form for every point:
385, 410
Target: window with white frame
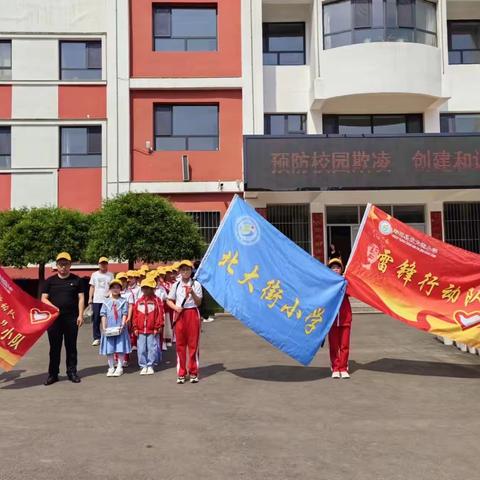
81, 146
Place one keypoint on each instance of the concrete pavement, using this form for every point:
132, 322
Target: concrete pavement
410, 411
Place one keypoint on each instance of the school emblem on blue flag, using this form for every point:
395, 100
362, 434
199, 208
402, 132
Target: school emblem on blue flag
270, 284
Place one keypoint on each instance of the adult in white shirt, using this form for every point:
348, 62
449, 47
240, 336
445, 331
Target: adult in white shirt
99, 291
184, 298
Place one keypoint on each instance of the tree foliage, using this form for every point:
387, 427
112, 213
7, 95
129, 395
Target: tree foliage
143, 227
37, 235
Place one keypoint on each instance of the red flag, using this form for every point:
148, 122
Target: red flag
23, 319
426, 283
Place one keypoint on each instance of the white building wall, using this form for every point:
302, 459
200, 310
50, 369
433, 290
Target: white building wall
34, 59
369, 78
34, 189
34, 146
35, 102
53, 16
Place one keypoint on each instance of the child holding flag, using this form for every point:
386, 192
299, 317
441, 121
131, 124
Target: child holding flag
115, 338
184, 299
339, 334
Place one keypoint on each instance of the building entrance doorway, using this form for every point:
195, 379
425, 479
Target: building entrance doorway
341, 237
343, 223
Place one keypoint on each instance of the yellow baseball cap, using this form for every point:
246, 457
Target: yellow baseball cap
115, 281
132, 273
64, 256
121, 275
161, 271
148, 282
167, 269
144, 267
103, 259
187, 263
338, 261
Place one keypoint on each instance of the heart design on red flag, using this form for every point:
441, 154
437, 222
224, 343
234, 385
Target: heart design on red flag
467, 319
39, 316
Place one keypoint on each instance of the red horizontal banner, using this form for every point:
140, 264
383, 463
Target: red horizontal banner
426, 283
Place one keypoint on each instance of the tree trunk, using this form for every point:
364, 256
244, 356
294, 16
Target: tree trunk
131, 264
41, 278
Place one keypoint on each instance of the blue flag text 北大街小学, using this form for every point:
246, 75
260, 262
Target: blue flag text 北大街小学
270, 284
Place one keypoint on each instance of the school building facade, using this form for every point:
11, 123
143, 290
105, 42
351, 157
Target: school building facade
307, 108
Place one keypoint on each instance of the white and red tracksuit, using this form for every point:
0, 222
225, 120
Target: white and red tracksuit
339, 337
187, 325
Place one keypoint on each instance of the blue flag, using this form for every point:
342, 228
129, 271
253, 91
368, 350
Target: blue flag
270, 284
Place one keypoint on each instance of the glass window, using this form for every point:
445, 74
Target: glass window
337, 17
389, 124
81, 60
405, 10
284, 43
342, 215
288, 124
362, 13
360, 21
5, 147
186, 127
354, 124
185, 29
460, 122
81, 146
5, 60
464, 42
372, 124
409, 213
426, 16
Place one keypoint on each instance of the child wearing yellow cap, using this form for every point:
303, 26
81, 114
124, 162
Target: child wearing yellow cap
148, 321
339, 334
115, 339
99, 284
184, 298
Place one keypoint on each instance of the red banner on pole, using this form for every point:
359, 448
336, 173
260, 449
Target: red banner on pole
23, 319
426, 283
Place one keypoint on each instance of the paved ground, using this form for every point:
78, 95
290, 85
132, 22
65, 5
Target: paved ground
410, 411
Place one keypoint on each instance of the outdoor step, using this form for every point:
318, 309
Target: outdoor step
359, 307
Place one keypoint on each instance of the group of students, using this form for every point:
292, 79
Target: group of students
147, 310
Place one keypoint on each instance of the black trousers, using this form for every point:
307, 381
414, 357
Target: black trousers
65, 327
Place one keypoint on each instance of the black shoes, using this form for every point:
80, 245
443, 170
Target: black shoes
51, 380
74, 378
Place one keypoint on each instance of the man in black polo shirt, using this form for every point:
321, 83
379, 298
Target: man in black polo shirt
64, 291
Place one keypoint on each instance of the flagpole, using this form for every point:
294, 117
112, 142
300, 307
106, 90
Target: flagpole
362, 225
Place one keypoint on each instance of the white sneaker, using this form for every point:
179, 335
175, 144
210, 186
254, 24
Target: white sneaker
118, 372
110, 372
193, 379
149, 371
335, 374
96, 343
143, 371
208, 320
180, 380
344, 375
